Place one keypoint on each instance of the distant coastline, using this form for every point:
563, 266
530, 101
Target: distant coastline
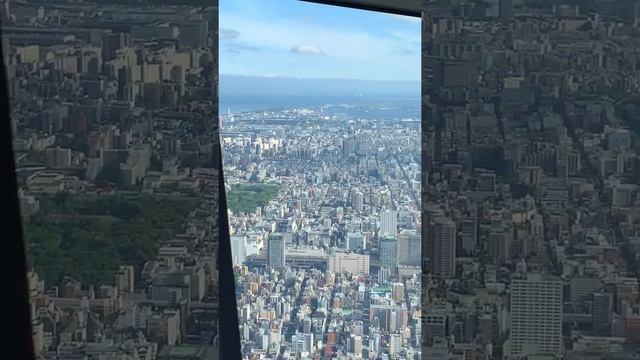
240, 103
250, 93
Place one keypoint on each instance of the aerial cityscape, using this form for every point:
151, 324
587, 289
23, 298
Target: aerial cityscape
327, 252
499, 220
530, 186
114, 112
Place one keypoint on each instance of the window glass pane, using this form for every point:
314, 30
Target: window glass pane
531, 178
113, 110
321, 139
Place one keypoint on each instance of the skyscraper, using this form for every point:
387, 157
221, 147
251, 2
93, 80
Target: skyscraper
113, 42
409, 247
397, 292
388, 253
602, 311
395, 344
388, 223
276, 251
125, 278
468, 234
357, 200
441, 246
356, 340
238, 249
536, 315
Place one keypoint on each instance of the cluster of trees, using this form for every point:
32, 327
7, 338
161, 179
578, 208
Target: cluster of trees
246, 198
88, 237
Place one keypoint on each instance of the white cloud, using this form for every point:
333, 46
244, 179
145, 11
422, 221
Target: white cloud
306, 49
283, 34
351, 51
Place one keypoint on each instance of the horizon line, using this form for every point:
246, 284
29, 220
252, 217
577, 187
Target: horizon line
317, 78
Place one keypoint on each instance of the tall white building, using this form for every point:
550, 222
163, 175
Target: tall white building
276, 247
356, 347
388, 223
395, 344
536, 316
238, 249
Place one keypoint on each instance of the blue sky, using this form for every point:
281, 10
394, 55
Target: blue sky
293, 38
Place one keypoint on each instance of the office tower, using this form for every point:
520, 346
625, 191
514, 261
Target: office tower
441, 246
397, 292
302, 342
409, 247
602, 313
113, 42
388, 223
125, 279
238, 249
356, 341
468, 235
500, 243
395, 344
357, 201
506, 10
388, 253
349, 146
486, 179
355, 241
276, 251
384, 275
435, 323
125, 84
536, 315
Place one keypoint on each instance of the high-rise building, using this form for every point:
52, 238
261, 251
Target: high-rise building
276, 251
397, 292
500, 243
468, 235
388, 223
355, 241
356, 340
238, 249
441, 246
113, 42
357, 201
602, 313
395, 344
125, 279
388, 253
409, 247
435, 324
536, 315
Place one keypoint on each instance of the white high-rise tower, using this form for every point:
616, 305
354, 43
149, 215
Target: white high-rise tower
536, 316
